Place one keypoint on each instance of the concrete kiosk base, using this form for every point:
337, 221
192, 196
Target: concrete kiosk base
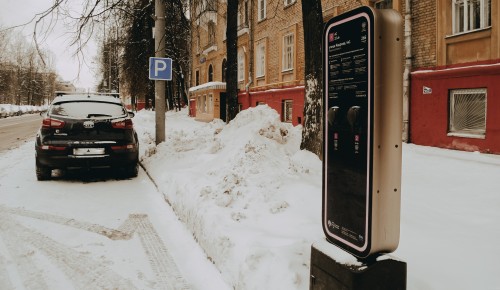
377, 273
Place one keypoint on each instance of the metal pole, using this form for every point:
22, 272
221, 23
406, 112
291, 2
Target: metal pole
160, 85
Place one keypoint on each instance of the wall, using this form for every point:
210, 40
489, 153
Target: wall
429, 112
275, 98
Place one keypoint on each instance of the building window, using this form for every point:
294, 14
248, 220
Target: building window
203, 104
261, 59
289, 2
468, 112
210, 104
242, 14
288, 51
224, 34
197, 78
261, 10
224, 69
241, 66
211, 33
470, 15
210, 73
383, 4
287, 111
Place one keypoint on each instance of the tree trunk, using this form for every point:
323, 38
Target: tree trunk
312, 131
232, 61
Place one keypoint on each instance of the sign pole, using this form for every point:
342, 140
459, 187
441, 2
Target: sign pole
160, 84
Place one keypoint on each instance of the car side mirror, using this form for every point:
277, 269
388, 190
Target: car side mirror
131, 114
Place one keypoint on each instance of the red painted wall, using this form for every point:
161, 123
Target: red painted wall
274, 98
192, 107
429, 112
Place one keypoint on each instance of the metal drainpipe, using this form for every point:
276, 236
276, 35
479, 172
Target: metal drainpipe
406, 73
250, 48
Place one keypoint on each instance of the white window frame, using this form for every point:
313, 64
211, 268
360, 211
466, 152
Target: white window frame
462, 15
288, 52
211, 33
287, 3
239, 16
288, 107
383, 4
260, 65
210, 73
467, 117
261, 10
241, 65
203, 105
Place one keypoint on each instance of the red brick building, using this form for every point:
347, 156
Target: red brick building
270, 54
455, 79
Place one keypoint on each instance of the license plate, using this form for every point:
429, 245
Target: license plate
88, 151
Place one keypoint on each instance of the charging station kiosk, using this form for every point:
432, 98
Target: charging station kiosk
362, 151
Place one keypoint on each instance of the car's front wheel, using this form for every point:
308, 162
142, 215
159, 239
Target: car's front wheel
43, 173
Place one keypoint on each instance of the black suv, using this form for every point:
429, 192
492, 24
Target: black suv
86, 131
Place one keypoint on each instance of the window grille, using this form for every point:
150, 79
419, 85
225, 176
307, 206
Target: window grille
287, 110
468, 112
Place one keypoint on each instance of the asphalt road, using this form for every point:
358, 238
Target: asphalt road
15, 131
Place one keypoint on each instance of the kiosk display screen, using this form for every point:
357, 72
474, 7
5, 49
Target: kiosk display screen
348, 67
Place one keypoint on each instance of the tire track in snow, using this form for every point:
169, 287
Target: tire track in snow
160, 259
32, 276
166, 271
84, 272
5, 282
93, 228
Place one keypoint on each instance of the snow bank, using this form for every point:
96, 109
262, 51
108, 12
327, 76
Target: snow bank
243, 189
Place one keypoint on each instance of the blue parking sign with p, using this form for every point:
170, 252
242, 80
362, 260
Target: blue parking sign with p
160, 68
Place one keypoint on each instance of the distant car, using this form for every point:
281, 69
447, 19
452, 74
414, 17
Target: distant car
86, 131
3, 112
15, 110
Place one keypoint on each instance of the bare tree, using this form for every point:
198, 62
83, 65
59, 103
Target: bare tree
232, 60
138, 46
312, 138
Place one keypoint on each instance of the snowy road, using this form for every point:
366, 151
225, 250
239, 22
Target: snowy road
98, 232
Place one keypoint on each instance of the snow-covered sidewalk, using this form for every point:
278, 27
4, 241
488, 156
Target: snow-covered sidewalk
252, 200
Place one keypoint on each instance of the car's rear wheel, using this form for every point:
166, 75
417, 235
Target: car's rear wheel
132, 170
43, 173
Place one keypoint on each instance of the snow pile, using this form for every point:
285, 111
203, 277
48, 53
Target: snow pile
249, 195
252, 200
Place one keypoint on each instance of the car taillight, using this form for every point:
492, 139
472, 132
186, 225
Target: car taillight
52, 123
52, 148
122, 124
123, 147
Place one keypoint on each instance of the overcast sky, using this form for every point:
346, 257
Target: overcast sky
17, 12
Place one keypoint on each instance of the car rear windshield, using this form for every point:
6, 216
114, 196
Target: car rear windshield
88, 109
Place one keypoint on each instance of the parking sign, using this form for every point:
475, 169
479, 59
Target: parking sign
160, 69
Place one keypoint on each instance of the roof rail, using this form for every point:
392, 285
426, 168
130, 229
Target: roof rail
62, 93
